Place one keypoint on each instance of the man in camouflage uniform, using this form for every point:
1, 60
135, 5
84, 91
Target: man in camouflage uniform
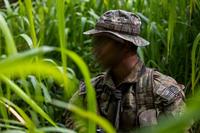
129, 94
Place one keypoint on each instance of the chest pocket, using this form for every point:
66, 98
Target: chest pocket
106, 103
130, 106
122, 115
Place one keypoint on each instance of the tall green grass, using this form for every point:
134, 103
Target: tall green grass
29, 8
21, 65
39, 67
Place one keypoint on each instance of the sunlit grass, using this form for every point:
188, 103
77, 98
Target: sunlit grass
29, 71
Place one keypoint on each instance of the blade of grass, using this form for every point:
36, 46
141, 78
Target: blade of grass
7, 5
102, 122
11, 122
10, 44
27, 121
193, 58
11, 127
39, 68
29, 8
21, 57
91, 95
56, 129
3, 110
61, 28
13, 131
28, 40
60, 5
171, 25
26, 98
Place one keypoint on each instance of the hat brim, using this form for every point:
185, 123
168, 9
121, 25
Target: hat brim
136, 40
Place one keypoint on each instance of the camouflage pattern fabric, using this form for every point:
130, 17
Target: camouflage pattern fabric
139, 101
121, 24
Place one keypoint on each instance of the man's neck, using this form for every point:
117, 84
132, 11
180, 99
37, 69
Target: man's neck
122, 69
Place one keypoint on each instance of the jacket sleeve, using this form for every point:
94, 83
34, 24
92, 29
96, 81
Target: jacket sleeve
169, 95
79, 99
71, 120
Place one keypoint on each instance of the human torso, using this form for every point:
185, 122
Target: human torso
122, 105
139, 101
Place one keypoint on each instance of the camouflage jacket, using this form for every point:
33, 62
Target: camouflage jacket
138, 101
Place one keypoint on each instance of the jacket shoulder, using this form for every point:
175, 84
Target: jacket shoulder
94, 81
167, 88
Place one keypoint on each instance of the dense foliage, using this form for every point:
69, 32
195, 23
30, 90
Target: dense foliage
39, 70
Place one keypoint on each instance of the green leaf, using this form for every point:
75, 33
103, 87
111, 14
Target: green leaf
29, 9
28, 123
26, 98
56, 129
10, 44
102, 122
193, 58
28, 40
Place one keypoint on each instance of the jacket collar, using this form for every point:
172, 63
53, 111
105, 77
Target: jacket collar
132, 77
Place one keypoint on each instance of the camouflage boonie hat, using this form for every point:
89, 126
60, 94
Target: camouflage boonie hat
122, 24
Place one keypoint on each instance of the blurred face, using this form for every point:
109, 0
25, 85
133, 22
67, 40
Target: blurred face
107, 51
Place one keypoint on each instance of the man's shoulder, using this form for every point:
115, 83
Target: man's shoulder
94, 81
97, 79
167, 87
